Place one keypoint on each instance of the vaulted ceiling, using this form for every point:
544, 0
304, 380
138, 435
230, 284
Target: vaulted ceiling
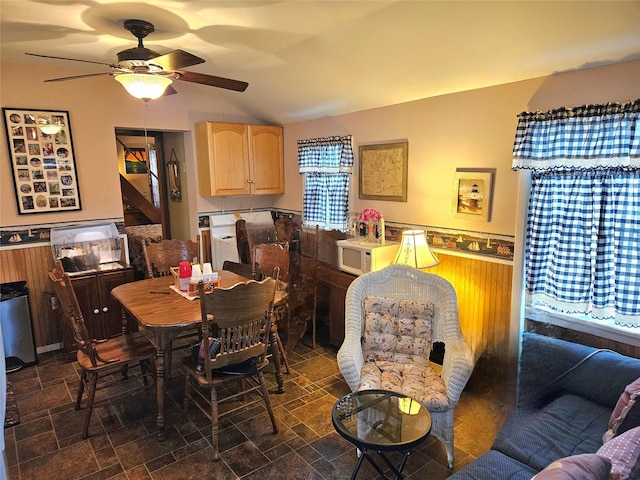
312, 59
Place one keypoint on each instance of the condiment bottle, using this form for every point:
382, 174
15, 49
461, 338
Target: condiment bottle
184, 276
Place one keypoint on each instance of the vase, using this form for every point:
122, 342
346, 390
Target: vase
371, 231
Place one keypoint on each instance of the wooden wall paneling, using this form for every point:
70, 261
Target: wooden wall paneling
33, 265
484, 298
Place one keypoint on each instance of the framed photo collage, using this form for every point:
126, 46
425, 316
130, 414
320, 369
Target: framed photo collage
42, 160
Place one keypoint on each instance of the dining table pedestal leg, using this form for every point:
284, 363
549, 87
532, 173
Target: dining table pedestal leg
162, 340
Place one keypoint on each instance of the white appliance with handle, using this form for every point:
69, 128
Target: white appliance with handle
223, 235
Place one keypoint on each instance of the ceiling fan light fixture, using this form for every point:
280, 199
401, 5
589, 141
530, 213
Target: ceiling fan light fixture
143, 85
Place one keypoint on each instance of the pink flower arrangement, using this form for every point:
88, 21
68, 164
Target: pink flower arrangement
369, 214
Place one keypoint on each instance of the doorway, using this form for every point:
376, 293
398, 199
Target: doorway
143, 178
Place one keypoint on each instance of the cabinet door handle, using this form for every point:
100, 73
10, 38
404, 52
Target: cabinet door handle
105, 309
96, 311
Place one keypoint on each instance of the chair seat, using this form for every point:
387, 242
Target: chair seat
132, 347
221, 378
416, 381
281, 298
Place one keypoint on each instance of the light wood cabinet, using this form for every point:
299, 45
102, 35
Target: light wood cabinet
239, 159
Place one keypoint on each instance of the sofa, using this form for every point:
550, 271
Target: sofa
570, 396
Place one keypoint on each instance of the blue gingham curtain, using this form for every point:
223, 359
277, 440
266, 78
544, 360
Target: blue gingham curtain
586, 137
583, 230
327, 164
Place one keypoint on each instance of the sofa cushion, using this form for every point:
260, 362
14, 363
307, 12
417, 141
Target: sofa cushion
586, 466
626, 413
493, 465
624, 453
567, 426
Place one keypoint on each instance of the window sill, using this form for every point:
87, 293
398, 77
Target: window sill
601, 328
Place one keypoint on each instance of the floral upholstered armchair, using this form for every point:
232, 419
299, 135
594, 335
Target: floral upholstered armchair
392, 318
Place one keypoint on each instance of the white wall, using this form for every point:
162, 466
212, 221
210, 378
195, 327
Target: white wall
473, 129
96, 107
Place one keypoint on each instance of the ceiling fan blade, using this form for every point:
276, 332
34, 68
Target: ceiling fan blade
176, 60
77, 76
212, 81
169, 91
72, 59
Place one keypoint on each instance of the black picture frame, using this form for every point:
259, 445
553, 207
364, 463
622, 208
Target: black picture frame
42, 164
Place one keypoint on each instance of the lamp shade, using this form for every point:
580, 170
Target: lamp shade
144, 85
414, 250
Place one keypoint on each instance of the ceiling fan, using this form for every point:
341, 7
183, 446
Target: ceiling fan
139, 67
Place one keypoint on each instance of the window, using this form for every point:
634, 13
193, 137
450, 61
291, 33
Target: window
327, 164
582, 249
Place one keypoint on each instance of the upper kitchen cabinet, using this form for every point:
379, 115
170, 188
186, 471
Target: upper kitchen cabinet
239, 159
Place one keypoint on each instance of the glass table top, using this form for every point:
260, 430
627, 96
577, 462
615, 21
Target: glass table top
381, 420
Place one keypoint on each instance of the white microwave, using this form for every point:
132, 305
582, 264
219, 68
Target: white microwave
358, 257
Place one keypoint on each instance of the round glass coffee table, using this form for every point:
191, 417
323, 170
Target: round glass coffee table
381, 421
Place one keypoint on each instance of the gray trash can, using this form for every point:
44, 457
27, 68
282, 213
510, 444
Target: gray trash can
17, 332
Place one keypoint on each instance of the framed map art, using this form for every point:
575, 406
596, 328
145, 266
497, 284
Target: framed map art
42, 160
383, 171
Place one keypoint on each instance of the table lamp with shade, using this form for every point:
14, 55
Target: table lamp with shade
414, 250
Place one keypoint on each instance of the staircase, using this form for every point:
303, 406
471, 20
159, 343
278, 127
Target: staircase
139, 202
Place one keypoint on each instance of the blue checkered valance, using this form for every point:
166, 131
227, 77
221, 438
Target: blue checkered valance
327, 164
325, 155
585, 137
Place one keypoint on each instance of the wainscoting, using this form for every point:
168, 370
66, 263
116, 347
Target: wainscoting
33, 265
484, 299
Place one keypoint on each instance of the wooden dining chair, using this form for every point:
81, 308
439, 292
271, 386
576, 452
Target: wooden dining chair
269, 257
234, 319
101, 358
243, 269
160, 257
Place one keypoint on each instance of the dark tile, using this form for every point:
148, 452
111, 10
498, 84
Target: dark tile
147, 449
317, 414
198, 466
245, 458
76, 461
157, 463
122, 442
292, 467
36, 446
332, 445
35, 427
50, 397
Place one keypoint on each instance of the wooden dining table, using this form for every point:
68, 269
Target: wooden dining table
157, 307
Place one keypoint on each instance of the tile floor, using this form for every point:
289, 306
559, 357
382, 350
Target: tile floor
47, 443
